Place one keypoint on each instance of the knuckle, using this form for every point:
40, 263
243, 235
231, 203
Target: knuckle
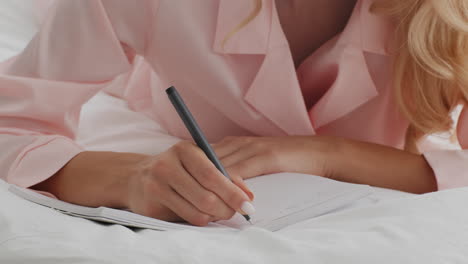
161, 167
182, 146
209, 202
208, 175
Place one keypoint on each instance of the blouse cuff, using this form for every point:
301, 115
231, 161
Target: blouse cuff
450, 167
42, 159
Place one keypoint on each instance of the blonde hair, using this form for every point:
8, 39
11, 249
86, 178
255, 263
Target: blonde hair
430, 62
247, 20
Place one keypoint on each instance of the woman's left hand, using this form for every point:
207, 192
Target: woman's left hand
331, 157
247, 157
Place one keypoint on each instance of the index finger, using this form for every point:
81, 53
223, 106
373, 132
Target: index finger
204, 171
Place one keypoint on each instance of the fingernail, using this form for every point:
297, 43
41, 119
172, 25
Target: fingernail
251, 195
248, 208
247, 191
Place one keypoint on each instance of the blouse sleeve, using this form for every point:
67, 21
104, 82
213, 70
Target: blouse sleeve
451, 166
81, 46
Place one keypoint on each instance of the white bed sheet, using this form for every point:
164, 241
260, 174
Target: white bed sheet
18, 22
388, 227
424, 229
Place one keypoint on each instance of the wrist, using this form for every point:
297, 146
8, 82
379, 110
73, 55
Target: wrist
336, 157
94, 179
122, 169
322, 153
380, 166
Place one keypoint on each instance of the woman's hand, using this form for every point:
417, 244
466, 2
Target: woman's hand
182, 183
337, 158
247, 157
179, 184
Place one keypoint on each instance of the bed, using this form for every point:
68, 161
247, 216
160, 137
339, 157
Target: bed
386, 227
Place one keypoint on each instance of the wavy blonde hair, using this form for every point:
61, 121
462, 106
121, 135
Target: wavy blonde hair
430, 63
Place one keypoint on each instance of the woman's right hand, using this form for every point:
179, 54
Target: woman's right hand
178, 184
183, 184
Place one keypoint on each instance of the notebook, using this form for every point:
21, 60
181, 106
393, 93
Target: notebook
281, 200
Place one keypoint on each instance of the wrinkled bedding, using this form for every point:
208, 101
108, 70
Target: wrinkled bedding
387, 227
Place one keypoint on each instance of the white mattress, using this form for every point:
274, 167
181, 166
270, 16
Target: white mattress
388, 227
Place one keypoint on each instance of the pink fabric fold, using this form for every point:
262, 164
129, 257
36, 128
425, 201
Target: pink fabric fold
41, 159
76, 53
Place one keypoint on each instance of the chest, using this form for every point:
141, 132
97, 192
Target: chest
249, 86
307, 24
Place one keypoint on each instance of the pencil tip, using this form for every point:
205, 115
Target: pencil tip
247, 217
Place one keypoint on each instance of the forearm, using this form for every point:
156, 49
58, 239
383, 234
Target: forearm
94, 179
382, 166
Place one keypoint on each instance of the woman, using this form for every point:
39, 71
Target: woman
313, 87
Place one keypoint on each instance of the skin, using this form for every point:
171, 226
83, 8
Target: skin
182, 184
328, 17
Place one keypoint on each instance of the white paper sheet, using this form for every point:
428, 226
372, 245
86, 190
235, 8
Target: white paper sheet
282, 199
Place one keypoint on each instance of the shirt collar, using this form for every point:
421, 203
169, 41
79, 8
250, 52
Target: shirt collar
365, 32
253, 38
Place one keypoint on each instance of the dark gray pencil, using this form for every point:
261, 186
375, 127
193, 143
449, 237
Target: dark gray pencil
196, 131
